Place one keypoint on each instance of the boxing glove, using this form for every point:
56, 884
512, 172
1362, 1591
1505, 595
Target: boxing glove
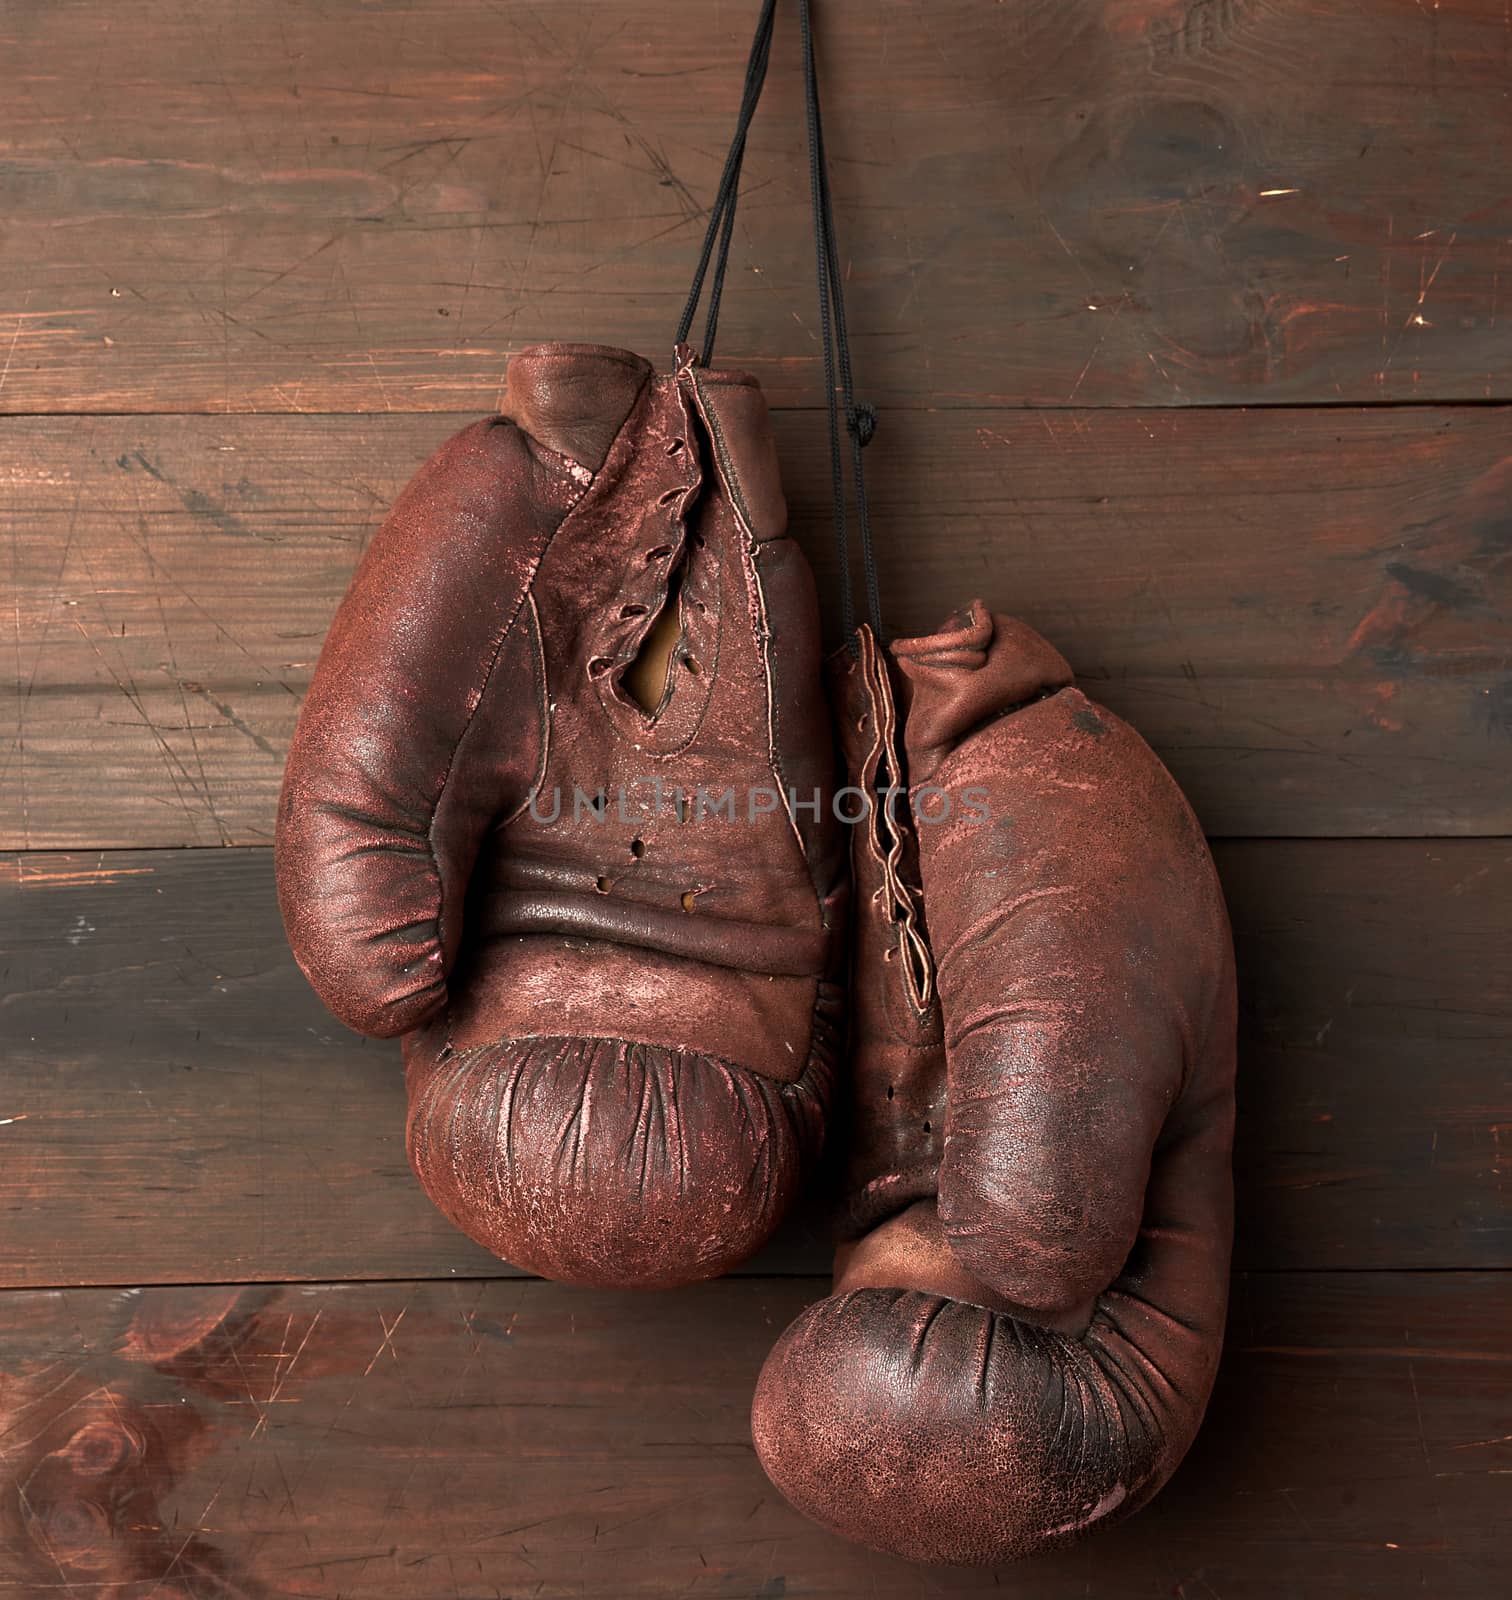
550, 814
1036, 1216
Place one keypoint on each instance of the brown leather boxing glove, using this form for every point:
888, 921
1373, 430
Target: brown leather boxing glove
1031, 1287
539, 819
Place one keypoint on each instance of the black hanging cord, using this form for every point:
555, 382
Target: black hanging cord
722, 216
860, 420
839, 385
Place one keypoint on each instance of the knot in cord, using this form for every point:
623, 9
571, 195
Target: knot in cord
861, 422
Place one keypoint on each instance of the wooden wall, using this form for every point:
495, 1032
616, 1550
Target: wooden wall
1188, 327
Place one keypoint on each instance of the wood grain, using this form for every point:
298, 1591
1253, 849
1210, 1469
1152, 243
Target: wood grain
178, 1107
355, 206
1308, 613
390, 1441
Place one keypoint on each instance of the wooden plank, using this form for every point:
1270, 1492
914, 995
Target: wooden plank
357, 206
1380, 1144
481, 1439
179, 1108
1307, 612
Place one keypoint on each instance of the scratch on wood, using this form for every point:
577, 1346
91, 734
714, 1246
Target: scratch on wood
29, 876
388, 1339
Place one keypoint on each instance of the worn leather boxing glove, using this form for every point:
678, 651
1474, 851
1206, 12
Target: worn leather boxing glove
539, 818
1031, 1285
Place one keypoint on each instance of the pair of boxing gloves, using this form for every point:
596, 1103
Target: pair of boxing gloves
562, 810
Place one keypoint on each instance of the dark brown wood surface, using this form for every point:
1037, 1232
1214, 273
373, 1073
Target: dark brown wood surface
353, 1442
240, 1356
349, 206
168, 1057
1308, 613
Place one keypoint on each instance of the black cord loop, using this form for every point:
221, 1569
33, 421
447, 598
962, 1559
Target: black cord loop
860, 419
721, 226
